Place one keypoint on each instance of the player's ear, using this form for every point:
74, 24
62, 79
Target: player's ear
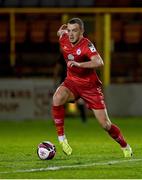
82, 31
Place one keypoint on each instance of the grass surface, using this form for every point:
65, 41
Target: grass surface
91, 146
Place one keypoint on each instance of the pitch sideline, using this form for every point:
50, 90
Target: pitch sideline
55, 168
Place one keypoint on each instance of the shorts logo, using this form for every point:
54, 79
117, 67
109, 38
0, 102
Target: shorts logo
70, 57
78, 52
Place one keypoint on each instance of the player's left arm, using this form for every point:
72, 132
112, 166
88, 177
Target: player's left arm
95, 62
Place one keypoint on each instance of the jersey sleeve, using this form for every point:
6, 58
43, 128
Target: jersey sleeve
90, 50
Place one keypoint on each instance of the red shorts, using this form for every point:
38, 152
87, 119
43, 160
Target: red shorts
89, 92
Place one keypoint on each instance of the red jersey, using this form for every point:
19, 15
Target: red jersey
81, 52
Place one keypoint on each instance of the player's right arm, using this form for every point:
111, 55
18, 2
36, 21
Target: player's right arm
92, 54
62, 30
95, 62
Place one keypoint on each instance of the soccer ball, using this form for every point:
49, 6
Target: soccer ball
46, 150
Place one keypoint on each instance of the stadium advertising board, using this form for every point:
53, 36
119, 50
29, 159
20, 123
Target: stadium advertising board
25, 99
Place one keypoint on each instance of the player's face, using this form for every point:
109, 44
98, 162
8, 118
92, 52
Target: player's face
74, 32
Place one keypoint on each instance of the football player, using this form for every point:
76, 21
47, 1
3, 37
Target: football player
82, 81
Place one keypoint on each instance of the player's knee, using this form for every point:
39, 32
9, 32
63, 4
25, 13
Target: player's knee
58, 100
106, 125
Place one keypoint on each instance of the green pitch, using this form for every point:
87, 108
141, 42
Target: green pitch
95, 154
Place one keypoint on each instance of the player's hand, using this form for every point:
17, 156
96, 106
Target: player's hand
63, 27
73, 63
62, 30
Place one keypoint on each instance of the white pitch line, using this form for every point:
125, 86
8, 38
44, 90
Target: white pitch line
55, 168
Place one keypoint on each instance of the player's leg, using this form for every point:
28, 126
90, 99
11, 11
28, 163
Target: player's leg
94, 99
60, 97
112, 130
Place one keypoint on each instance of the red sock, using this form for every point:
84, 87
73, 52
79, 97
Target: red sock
58, 113
116, 134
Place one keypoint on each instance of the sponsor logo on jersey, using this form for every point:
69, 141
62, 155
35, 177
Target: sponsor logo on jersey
91, 47
70, 57
78, 52
65, 47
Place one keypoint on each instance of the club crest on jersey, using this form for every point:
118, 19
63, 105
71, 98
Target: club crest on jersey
91, 47
70, 57
78, 52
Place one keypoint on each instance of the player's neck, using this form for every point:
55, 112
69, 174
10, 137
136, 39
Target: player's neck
75, 43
